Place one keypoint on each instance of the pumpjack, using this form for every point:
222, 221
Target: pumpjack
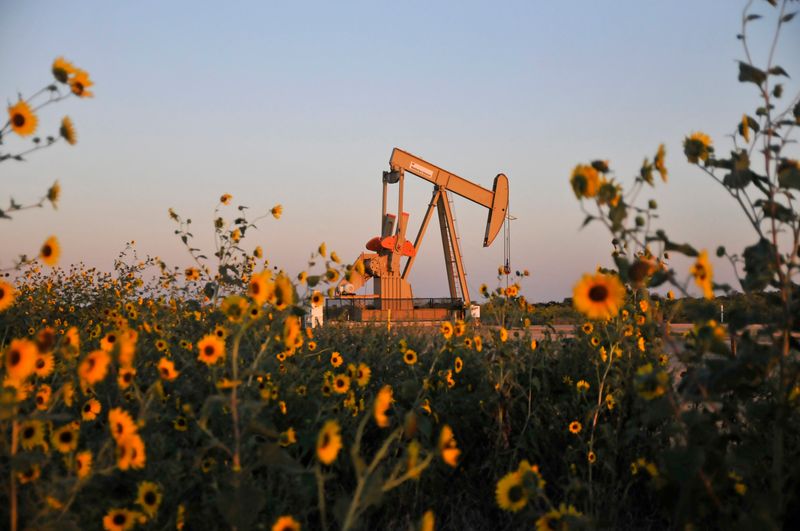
392, 296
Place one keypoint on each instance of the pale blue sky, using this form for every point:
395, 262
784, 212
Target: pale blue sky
300, 103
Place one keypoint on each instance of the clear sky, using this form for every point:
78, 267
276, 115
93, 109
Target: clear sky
301, 103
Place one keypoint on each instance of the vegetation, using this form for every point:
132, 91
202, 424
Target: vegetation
157, 397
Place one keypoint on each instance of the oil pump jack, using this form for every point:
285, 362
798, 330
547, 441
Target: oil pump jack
392, 294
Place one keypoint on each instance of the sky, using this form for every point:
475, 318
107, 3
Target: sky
301, 103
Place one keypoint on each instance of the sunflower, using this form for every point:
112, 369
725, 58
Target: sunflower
329, 442
276, 211
121, 424
131, 452
67, 131
125, 377
503, 334
72, 339
149, 498
83, 464
317, 299
65, 438
292, 332
447, 329
510, 492
587, 328
331, 275
45, 363
410, 357
210, 349
220, 331
119, 520
21, 359
258, 252
287, 438
43, 397
284, 292
68, 393
458, 365
336, 359
428, 522
50, 251
697, 147
79, 83
94, 367
703, 274
658, 162
108, 341
595, 341
599, 296
91, 409
180, 424
6, 295
62, 69
22, 119
534, 344
382, 404
363, 374
166, 369
478, 343
447, 446
286, 523
575, 427
460, 327
591, 457
312, 346
260, 288
554, 519
191, 274
29, 475
31, 434
341, 383
585, 181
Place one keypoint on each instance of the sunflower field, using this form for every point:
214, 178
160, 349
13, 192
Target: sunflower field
156, 397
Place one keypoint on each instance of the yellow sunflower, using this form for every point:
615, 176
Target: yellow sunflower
575, 427
50, 251
83, 464
62, 69
703, 275
119, 520
284, 292
697, 147
45, 363
94, 367
329, 442
121, 424
534, 344
447, 329
21, 359
599, 296
276, 211
363, 374
166, 369
448, 447
317, 299
31, 434
149, 498
210, 349
382, 404
7, 294
658, 162
91, 409
458, 365
67, 131
79, 83
286, 523
65, 438
336, 359
191, 274
585, 181
287, 438
22, 120
125, 377
43, 397
131, 452
341, 383
510, 493
260, 288
410, 357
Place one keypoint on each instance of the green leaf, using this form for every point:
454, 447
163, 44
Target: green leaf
748, 73
789, 176
587, 221
773, 209
787, 17
778, 71
683, 248
738, 179
752, 17
759, 265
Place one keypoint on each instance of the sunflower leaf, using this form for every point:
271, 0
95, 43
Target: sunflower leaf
749, 73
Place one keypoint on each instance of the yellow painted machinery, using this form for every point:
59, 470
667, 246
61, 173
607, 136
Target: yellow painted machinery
391, 257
